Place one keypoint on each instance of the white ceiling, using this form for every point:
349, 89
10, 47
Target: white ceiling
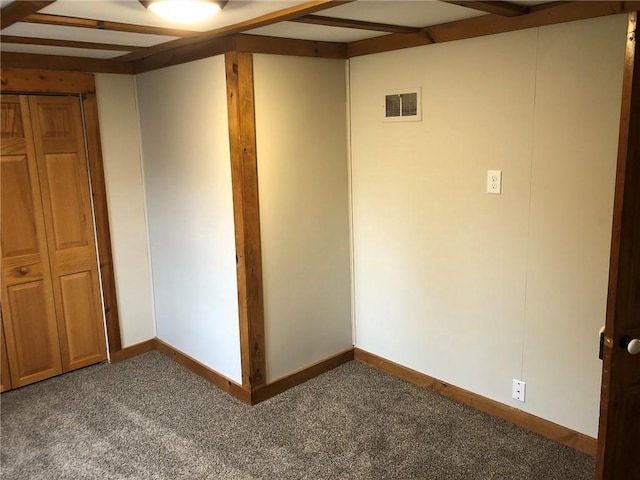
406, 13
65, 51
84, 34
415, 13
304, 31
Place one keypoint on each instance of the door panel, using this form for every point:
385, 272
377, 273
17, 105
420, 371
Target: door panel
27, 294
627, 446
78, 291
68, 214
12, 120
62, 169
33, 334
18, 215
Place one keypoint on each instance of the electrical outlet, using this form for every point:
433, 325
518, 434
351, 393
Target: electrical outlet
494, 181
519, 389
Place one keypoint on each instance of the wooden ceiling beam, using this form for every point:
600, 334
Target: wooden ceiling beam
68, 43
186, 53
58, 62
504, 9
283, 15
20, 9
491, 24
288, 46
63, 21
357, 24
241, 43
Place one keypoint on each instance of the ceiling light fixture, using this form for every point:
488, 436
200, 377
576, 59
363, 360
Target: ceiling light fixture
185, 11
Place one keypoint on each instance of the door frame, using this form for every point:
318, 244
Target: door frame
27, 81
623, 211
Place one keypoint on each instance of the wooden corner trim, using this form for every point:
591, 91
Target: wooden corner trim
550, 430
246, 215
205, 372
300, 376
101, 215
133, 351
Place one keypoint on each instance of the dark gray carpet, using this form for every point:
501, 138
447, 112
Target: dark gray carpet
148, 418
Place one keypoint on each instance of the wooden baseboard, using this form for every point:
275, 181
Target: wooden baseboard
133, 351
205, 372
296, 378
550, 430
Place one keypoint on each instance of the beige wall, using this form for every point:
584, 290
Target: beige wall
301, 137
120, 135
478, 289
187, 168
575, 129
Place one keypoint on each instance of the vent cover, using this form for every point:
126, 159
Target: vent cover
403, 105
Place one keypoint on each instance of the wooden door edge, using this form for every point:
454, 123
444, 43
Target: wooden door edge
604, 456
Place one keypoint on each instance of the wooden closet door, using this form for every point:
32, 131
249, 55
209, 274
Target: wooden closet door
64, 181
5, 375
28, 312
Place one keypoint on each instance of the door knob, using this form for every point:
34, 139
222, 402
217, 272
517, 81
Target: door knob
632, 345
24, 271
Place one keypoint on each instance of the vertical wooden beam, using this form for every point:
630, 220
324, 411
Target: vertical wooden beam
101, 214
244, 178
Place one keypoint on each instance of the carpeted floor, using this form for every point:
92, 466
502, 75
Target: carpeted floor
148, 418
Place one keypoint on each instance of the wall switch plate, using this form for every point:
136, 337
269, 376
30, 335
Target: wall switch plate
494, 181
519, 389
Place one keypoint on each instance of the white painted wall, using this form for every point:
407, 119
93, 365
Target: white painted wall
120, 134
301, 136
183, 117
576, 129
478, 289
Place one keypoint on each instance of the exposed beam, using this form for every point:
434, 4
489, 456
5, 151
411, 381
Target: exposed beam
288, 46
357, 24
490, 24
68, 43
187, 53
241, 43
246, 214
283, 15
19, 80
104, 25
17, 11
505, 9
57, 62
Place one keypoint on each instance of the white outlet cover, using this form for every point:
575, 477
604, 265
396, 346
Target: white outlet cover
494, 181
519, 390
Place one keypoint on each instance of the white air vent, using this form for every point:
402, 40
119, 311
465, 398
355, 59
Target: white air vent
403, 105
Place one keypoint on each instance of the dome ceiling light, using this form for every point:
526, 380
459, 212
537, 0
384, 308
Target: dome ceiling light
184, 11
